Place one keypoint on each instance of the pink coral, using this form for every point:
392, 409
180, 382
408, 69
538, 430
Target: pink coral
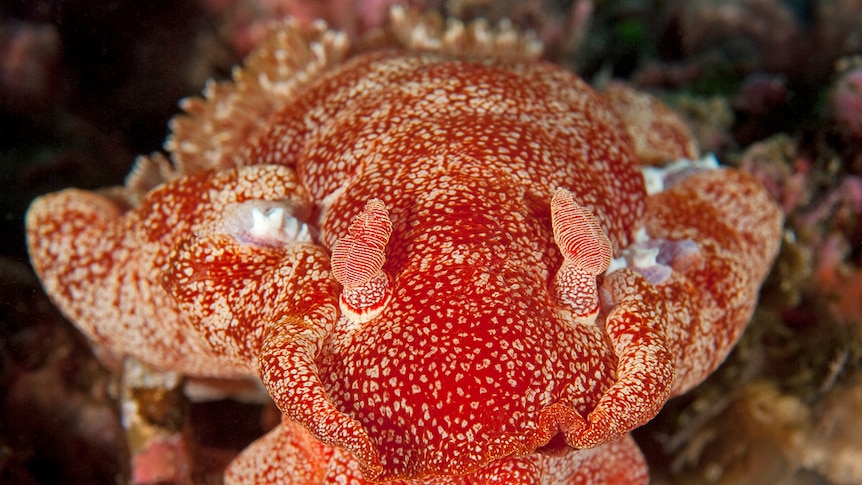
29, 62
846, 104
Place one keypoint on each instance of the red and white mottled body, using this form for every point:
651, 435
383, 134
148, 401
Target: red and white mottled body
454, 318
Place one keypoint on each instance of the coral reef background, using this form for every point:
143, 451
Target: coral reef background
771, 86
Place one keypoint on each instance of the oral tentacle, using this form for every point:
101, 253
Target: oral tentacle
357, 262
586, 252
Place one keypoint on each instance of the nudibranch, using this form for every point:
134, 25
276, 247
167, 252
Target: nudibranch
441, 257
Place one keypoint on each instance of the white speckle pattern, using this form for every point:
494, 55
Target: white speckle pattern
434, 346
658, 135
104, 267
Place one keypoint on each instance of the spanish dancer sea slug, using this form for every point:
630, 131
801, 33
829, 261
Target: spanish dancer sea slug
440, 256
